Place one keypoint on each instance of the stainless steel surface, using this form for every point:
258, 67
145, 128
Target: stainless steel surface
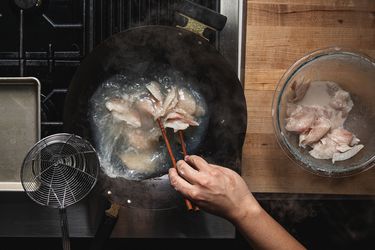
232, 37
19, 126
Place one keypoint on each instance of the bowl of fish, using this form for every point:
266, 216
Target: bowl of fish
324, 112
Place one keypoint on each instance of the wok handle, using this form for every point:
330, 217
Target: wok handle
105, 227
199, 19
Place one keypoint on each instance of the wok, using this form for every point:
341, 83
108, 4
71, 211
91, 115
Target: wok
153, 52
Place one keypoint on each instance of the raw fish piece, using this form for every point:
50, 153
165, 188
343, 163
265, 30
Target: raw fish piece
170, 100
176, 125
141, 139
178, 116
318, 129
329, 105
299, 90
176, 109
338, 118
324, 149
146, 105
141, 161
300, 120
348, 154
342, 101
178, 119
343, 148
186, 101
121, 110
341, 136
154, 88
186, 115
118, 105
150, 107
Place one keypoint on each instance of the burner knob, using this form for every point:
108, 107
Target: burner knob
27, 4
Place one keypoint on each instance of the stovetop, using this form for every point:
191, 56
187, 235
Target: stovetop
48, 39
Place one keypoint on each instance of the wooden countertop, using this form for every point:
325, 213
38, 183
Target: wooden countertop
278, 33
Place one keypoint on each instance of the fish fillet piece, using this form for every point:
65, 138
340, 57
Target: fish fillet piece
176, 125
146, 105
141, 161
341, 101
348, 154
319, 128
154, 88
341, 136
150, 107
186, 101
343, 148
183, 117
338, 118
170, 100
178, 121
121, 110
329, 105
299, 89
301, 119
324, 149
143, 140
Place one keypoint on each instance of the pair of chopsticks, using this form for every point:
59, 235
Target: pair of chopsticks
188, 203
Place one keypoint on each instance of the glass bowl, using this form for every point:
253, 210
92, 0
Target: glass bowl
355, 73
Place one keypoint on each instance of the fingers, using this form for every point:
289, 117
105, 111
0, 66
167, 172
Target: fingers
179, 183
187, 172
197, 162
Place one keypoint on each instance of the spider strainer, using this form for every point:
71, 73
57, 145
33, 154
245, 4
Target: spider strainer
59, 171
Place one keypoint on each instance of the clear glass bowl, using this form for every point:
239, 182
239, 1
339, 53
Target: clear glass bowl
355, 73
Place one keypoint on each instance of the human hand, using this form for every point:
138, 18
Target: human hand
216, 189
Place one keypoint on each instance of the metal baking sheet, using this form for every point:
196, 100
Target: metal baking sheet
19, 126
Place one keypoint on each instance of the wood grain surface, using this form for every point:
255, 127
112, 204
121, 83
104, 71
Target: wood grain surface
279, 33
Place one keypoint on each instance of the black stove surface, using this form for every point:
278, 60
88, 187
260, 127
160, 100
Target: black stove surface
47, 39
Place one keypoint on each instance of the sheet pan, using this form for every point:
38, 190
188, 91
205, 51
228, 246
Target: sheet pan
19, 126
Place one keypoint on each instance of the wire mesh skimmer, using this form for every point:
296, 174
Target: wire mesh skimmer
59, 171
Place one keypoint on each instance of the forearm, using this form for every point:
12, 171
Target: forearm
223, 192
262, 231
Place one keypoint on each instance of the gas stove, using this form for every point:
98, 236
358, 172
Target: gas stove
48, 39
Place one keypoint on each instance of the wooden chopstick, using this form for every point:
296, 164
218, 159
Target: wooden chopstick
169, 148
188, 204
184, 151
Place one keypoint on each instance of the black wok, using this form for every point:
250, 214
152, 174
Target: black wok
151, 52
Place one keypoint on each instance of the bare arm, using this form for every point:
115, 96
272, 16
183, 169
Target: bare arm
223, 192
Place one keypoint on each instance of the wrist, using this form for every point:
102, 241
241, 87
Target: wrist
249, 208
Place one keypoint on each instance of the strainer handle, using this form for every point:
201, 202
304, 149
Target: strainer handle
64, 229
